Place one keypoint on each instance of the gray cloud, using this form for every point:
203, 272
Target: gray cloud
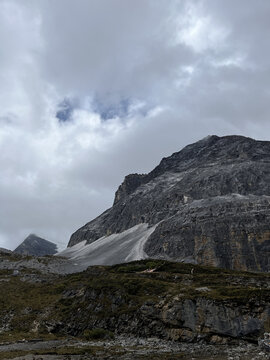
145, 78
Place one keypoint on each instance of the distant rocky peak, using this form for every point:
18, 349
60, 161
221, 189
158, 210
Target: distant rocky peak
35, 245
32, 237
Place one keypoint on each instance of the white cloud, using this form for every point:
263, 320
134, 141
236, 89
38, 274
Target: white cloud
200, 31
167, 73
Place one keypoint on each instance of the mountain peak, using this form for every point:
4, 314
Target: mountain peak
35, 245
210, 150
207, 203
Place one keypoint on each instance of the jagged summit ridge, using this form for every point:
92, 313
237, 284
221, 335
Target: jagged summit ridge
34, 245
209, 203
211, 149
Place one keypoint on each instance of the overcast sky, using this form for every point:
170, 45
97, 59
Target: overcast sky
92, 90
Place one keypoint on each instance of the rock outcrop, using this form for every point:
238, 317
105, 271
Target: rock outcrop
173, 301
34, 245
5, 251
210, 203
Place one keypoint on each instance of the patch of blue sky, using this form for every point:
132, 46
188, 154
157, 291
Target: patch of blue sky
65, 109
110, 110
107, 109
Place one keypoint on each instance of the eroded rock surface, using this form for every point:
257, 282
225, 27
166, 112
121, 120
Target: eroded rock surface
211, 202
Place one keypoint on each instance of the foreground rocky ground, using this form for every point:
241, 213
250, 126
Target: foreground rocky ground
16, 263
150, 309
125, 348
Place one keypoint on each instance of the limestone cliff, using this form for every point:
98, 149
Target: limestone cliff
210, 201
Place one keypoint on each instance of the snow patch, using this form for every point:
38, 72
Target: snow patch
112, 249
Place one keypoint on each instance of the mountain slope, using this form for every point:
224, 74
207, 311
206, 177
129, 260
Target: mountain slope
34, 245
209, 204
148, 298
112, 249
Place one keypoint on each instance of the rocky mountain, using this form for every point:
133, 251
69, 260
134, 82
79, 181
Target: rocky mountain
34, 245
206, 204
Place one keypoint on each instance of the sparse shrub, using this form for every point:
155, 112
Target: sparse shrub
267, 325
97, 334
130, 268
132, 286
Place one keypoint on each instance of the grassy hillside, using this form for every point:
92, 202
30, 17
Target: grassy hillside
33, 304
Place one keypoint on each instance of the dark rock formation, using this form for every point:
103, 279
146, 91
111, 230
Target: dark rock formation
34, 245
129, 185
171, 302
211, 202
5, 251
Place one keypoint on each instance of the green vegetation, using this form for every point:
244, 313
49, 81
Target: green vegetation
267, 325
68, 350
97, 334
85, 300
98, 351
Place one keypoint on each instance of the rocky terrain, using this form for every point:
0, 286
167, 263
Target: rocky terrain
5, 251
206, 204
126, 348
183, 308
205, 207
34, 245
17, 264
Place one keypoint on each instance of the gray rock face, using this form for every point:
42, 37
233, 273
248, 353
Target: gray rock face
5, 251
34, 245
211, 202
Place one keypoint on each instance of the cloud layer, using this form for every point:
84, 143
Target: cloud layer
93, 90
